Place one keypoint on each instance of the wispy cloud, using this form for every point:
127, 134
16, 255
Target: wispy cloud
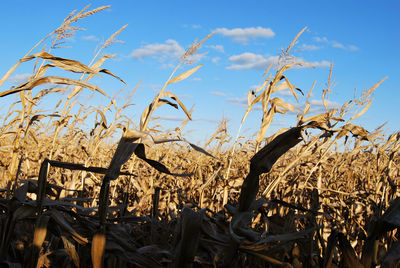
285, 92
167, 65
180, 119
210, 120
196, 79
238, 101
250, 60
215, 60
154, 87
161, 52
335, 44
317, 64
218, 48
279, 123
317, 106
19, 78
91, 38
309, 47
170, 118
352, 47
242, 102
243, 35
218, 93
193, 26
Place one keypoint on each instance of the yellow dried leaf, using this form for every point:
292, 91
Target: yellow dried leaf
50, 80
184, 75
97, 250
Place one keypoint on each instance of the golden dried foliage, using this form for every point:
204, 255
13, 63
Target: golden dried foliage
323, 193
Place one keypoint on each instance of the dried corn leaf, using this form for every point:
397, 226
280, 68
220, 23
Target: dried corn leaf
279, 102
174, 97
42, 182
266, 122
20, 192
110, 73
23, 212
50, 80
250, 97
188, 236
66, 64
165, 101
268, 258
73, 166
330, 248
293, 88
133, 135
40, 231
97, 250
62, 222
324, 101
122, 154
294, 40
349, 256
199, 149
39, 236
363, 111
140, 152
71, 250
289, 236
392, 258
357, 131
280, 86
184, 75
263, 161
100, 61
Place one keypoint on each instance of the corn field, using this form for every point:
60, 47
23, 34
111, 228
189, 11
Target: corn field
321, 194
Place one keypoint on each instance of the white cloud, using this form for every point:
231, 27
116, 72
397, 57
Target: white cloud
170, 118
19, 78
309, 47
352, 48
167, 66
193, 26
206, 120
218, 48
169, 49
321, 39
90, 38
250, 60
218, 93
317, 106
239, 101
215, 60
243, 35
153, 87
179, 118
331, 104
196, 79
336, 44
285, 92
318, 64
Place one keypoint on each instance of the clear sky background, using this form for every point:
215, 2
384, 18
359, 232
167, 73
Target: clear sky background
361, 38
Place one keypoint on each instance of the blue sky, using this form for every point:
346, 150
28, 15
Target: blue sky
361, 38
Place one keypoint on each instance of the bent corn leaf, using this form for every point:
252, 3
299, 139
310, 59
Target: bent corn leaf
50, 80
